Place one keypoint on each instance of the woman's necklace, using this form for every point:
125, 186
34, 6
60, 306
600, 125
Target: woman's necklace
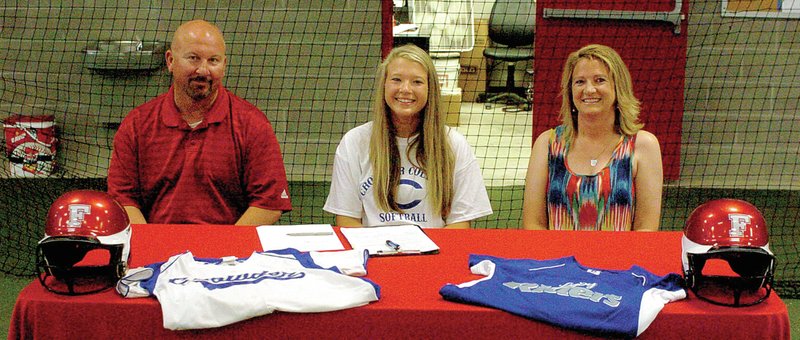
593, 161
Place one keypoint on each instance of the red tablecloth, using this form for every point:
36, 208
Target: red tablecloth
410, 306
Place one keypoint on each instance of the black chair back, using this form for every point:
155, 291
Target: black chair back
512, 22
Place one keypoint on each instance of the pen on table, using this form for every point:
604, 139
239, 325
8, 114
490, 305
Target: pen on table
398, 252
311, 233
393, 245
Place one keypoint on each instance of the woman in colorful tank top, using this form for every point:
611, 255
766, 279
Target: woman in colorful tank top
598, 170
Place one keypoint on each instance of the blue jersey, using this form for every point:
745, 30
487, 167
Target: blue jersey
562, 292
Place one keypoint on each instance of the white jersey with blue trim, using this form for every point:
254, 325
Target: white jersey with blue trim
204, 293
562, 292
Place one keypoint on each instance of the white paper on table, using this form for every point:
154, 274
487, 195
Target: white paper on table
303, 237
411, 239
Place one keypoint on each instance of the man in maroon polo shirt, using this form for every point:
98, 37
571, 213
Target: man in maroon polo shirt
198, 154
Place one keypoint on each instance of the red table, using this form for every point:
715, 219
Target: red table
410, 305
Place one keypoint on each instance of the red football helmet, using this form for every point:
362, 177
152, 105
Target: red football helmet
86, 244
732, 232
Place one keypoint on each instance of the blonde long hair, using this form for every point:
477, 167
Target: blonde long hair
432, 147
627, 109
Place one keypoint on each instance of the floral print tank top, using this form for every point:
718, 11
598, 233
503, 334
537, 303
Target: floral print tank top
603, 201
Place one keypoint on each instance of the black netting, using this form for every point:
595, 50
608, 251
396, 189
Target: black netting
718, 87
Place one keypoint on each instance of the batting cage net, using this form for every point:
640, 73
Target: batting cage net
718, 81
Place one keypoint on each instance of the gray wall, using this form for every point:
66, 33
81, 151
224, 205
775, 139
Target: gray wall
741, 94
309, 65
741, 120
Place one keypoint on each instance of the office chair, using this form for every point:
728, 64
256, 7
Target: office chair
511, 32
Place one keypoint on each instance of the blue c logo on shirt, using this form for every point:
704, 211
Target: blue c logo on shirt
415, 188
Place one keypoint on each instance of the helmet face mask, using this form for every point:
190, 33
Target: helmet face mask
750, 283
86, 245
725, 254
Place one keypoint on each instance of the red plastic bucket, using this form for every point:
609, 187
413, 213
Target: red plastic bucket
30, 145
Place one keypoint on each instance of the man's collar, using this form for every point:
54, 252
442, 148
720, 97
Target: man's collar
171, 115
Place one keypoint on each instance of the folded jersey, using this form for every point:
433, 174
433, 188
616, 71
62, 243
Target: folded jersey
199, 293
562, 292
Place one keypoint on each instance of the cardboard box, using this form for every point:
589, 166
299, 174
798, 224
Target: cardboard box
451, 107
472, 78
